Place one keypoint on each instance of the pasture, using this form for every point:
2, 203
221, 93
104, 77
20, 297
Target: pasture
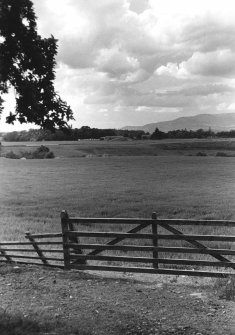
83, 148
128, 179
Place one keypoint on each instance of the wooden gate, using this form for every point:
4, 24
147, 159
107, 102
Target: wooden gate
159, 258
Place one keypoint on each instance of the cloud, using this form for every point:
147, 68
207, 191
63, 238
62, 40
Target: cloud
207, 89
126, 96
231, 107
208, 33
172, 69
198, 90
84, 28
140, 29
138, 6
216, 63
137, 77
142, 56
116, 62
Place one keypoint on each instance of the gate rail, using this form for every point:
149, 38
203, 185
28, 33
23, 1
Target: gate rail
76, 258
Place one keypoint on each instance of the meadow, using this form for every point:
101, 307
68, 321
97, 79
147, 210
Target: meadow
168, 147
129, 179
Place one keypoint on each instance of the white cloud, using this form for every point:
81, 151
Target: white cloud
173, 69
219, 63
138, 76
231, 107
116, 62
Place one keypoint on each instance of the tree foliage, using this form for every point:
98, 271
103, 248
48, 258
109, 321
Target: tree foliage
27, 63
158, 135
84, 132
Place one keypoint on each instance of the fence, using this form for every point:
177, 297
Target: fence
75, 258
33, 251
70, 249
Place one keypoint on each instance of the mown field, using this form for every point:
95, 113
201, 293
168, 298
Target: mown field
96, 179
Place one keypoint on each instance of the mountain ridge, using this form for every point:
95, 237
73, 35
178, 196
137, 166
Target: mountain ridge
216, 122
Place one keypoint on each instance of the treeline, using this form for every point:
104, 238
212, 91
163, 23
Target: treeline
184, 133
70, 135
95, 133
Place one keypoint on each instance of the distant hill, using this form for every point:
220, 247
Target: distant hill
217, 122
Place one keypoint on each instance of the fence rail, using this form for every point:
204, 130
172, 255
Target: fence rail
152, 236
128, 221
151, 248
23, 251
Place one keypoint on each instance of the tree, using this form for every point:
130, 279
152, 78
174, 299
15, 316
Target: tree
27, 63
158, 134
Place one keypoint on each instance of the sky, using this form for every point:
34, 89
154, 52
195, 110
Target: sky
133, 62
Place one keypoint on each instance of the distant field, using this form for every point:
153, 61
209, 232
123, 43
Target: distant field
128, 148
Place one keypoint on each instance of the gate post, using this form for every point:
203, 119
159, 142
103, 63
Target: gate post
155, 239
65, 229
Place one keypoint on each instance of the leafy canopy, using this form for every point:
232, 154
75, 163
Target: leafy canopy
27, 63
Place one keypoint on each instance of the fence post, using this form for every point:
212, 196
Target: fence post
75, 240
36, 248
8, 258
65, 229
155, 239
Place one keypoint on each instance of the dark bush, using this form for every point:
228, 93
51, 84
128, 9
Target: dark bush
201, 154
40, 153
12, 155
26, 154
50, 155
222, 154
42, 148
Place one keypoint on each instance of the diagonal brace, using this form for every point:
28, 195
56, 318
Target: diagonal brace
195, 243
119, 239
36, 248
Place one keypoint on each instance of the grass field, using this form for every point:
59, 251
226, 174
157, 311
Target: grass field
76, 149
33, 192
